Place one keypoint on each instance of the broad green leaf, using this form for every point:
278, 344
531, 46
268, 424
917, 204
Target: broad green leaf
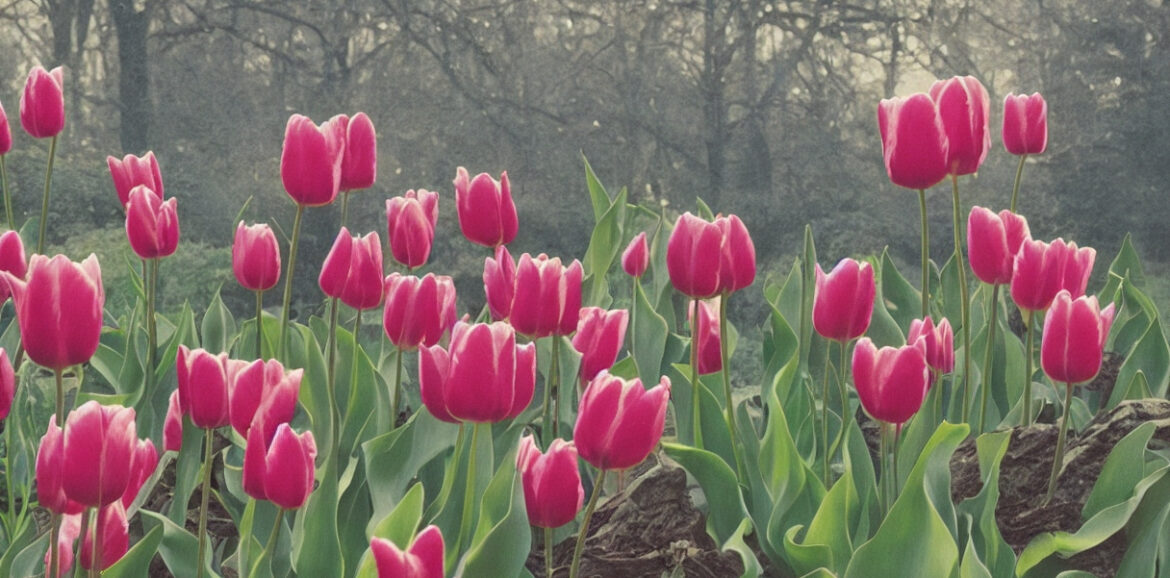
901, 300
725, 506
1139, 387
605, 244
598, 196
188, 464
804, 556
399, 526
30, 560
1151, 356
649, 332
737, 544
219, 327
984, 536
393, 458
1126, 265
1147, 534
830, 529
713, 424
1120, 474
178, 548
136, 562
316, 545
972, 566
502, 537
884, 330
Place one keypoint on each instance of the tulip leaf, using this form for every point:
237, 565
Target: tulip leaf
983, 534
218, 329
399, 526
605, 244
883, 328
393, 458
808, 283
806, 556
1147, 534
1151, 356
650, 331
178, 548
737, 544
187, 466
1139, 387
972, 566
29, 560
901, 300
136, 561
314, 395
316, 546
598, 196
820, 573
713, 424
827, 543
725, 506
502, 537
365, 409
1119, 475
1126, 265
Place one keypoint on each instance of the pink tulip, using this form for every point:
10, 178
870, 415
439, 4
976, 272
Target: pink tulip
599, 339
914, 143
1041, 270
1073, 266
99, 448
964, 108
619, 421
487, 215
939, 342
7, 384
262, 388
133, 171
203, 387
256, 257
483, 376
547, 300
843, 302
310, 162
281, 472
423, 559
42, 105
992, 243
737, 268
499, 283
636, 257
710, 353
50, 466
359, 163
353, 270
59, 309
1074, 338
694, 257
145, 461
552, 484
173, 425
891, 382
5, 133
418, 311
11, 260
68, 534
114, 531
1025, 124
410, 226
152, 225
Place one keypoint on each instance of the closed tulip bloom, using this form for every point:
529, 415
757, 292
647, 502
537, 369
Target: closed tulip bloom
410, 226
992, 243
964, 107
487, 215
1041, 270
133, 171
619, 421
11, 260
353, 270
418, 311
114, 530
939, 341
552, 483
59, 309
5, 132
423, 559
257, 384
359, 164
710, 354
310, 162
145, 461
843, 302
42, 105
914, 144
636, 257
99, 448
738, 261
694, 257
1074, 338
599, 339
7, 384
1074, 265
173, 425
50, 469
256, 257
152, 225
282, 471
203, 387
548, 296
499, 283
891, 382
484, 377
1025, 124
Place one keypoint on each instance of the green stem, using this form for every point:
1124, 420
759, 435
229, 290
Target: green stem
246, 541
353, 371
465, 524
555, 378
331, 371
634, 316
585, 525
841, 390
885, 473
1058, 460
270, 548
288, 283
894, 464
825, 417
964, 298
548, 552
725, 359
45, 199
7, 194
397, 386
925, 254
151, 327
207, 459
988, 356
936, 392
1028, 351
54, 554
1016, 188
84, 531
60, 399
696, 383
96, 562
259, 325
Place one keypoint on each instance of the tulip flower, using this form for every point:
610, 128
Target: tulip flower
145, 461
203, 387
7, 384
359, 163
59, 308
483, 376
599, 339
552, 484
98, 453
707, 337
42, 105
353, 270
914, 143
310, 162
694, 257
133, 171
499, 283
5, 147
636, 257
939, 341
281, 471
410, 225
737, 268
50, 469
11, 260
619, 421
5, 133
418, 311
1073, 266
843, 302
487, 215
152, 225
964, 109
547, 299
256, 257
113, 531
993, 241
423, 559
891, 382
67, 535
173, 425
1025, 124
262, 388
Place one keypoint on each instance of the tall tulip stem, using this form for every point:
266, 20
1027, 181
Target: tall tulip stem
84, 532
45, 199
95, 569
696, 383
259, 325
988, 357
554, 377
925, 253
331, 370
288, 282
207, 459
151, 326
60, 398
844, 393
1058, 460
1016, 187
964, 300
584, 532
1028, 352
7, 194
725, 359
884, 428
397, 387
634, 315
465, 524
270, 548
825, 417
548, 552
54, 550
353, 372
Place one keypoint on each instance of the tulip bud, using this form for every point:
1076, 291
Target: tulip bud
939, 342
619, 421
709, 344
11, 260
133, 171
283, 471
42, 105
359, 163
483, 377
99, 447
1074, 338
694, 257
418, 311
636, 257
891, 382
353, 270
548, 296
173, 425
410, 225
59, 309
552, 483
738, 255
145, 461
310, 162
964, 109
50, 466
499, 283
423, 559
599, 339
256, 257
262, 388
5, 132
7, 385
993, 241
843, 302
114, 531
203, 387
487, 215
914, 144
1025, 124
152, 225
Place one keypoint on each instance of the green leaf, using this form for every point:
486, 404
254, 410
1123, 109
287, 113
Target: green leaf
502, 537
1146, 534
737, 544
1139, 387
393, 458
1151, 356
399, 526
984, 536
605, 244
1126, 265
137, 560
178, 548
1120, 474
598, 196
187, 466
902, 301
725, 506
649, 332
316, 545
972, 566
219, 327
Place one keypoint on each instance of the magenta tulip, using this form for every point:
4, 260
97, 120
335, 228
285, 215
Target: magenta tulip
1041, 270
99, 448
1074, 338
482, 377
636, 257
499, 283
5, 132
145, 461
710, 354
1025, 124
50, 469
42, 105
282, 471
737, 268
410, 225
353, 270
964, 109
619, 421
599, 339
256, 257
173, 425
552, 483
359, 163
939, 341
1073, 266
114, 532
487, 215
694, 257
11, 260
310, 162
914, 143
423, 559
152, 225
547, 300
203, 387
7, 384
992, 243
133, 171
262, 388
891, 382
418, 311
843, 302
66, 537
59, 309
